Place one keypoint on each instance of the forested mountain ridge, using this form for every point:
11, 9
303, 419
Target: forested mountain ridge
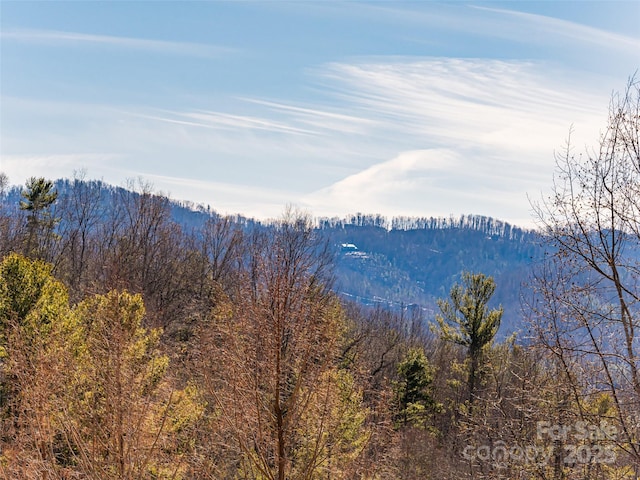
391, 262
416, 260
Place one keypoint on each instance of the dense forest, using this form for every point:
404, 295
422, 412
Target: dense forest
138, 341
395, 263
413, 262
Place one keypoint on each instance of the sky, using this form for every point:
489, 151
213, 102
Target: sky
399, 108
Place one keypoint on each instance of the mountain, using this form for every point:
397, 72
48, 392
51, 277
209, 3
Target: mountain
401, 263
415, 261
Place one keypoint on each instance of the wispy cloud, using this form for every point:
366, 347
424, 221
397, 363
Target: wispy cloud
225, 121
554, 28
473, 135
436, 182
465, 102
270, 116
427, 136
319, 118
54, 37
489, 22
405, 136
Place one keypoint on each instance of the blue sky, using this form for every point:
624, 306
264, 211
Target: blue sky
401, 108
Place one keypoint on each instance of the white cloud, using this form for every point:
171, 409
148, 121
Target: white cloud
503, 104
398, 136
482, 134
551, 29
434, 182
318, 118
226, 121
378, 186
53, 37
484, 22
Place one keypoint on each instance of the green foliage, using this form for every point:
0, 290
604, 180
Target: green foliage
332, 431
466, 320
33, 305
118, 346
413, 390
39, 341
39, 196
27, 286
120, 373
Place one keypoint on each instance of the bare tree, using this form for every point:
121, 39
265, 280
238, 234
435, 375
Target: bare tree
4, 183
272, 363
220, 245
81, 208
589, 297
10, 220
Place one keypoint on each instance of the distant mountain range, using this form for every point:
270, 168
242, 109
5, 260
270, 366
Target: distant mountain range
404, 262
411, 262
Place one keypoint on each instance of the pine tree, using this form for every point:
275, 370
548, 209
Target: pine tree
413, 394
39, 195
466, 320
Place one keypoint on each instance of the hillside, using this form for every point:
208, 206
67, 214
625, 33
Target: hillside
416, 261
389, 262
164, 314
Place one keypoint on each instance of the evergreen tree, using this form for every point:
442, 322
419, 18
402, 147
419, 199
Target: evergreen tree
466, 320
39, 196
37, 346
126, 416
413, 390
